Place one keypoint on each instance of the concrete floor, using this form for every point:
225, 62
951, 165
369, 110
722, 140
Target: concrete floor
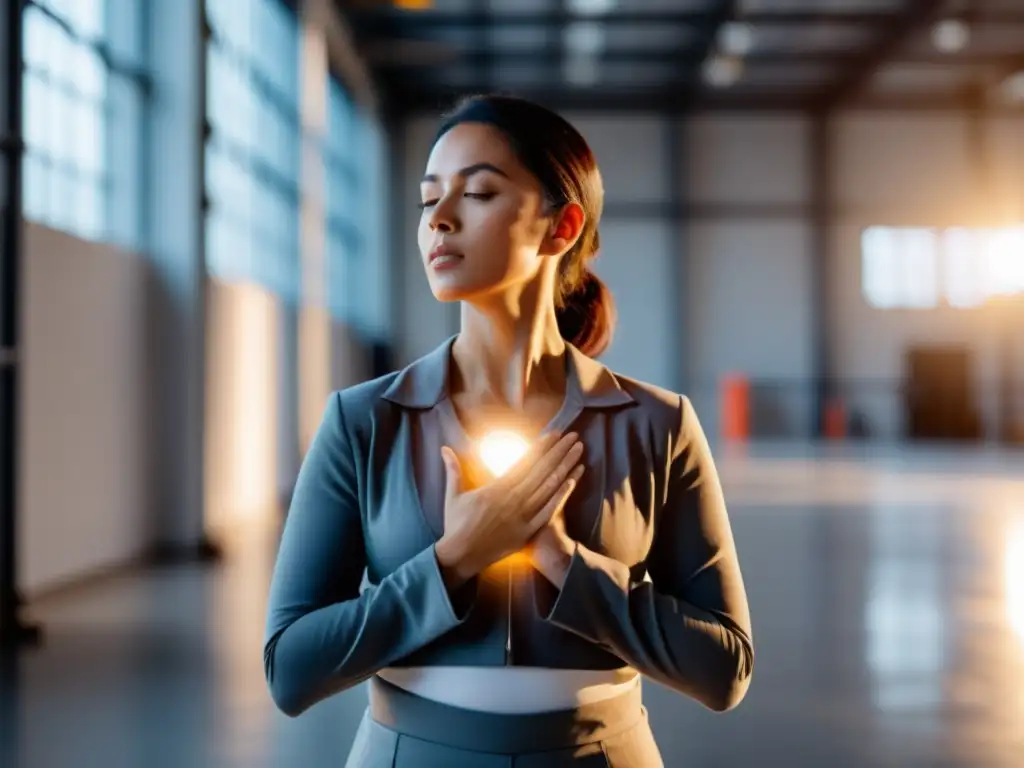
888, 596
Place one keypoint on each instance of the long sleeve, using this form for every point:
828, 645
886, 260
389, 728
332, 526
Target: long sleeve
689, 626
322, 635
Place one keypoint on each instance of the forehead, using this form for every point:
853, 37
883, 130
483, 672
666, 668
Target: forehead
471, 143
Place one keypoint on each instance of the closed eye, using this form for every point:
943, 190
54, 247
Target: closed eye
473, 195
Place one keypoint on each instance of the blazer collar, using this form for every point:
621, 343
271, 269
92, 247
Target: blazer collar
424, 382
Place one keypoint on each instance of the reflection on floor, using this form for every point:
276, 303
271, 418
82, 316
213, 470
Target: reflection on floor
888, 598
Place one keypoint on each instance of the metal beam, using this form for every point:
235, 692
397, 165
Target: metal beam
405, 52
409, 98
821, 258
886, 48
13, 631
426, 99
469, 21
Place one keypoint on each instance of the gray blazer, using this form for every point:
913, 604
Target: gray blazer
654, 583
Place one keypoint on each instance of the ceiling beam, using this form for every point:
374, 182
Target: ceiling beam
632, 99
408, 98
406, 52
389, 19
886, 47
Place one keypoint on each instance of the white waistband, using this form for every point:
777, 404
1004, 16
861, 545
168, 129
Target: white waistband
511, 690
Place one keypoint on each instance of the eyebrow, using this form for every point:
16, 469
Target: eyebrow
468, 171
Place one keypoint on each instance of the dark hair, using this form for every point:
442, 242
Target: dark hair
554, 151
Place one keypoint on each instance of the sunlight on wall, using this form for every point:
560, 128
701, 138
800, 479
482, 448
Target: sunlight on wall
242, 397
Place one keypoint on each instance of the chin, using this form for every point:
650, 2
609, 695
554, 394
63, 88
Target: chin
447, 295
449, 288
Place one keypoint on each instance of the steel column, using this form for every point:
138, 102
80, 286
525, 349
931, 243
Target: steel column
821, 259
13, 632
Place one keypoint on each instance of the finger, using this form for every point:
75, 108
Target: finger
555, 503
552, 487
452, 470
547, 480
545, 467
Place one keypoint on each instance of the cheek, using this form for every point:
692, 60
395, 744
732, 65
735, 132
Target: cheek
516, 226
424, 237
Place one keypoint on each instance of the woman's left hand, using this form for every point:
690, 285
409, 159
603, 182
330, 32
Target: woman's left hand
551, 549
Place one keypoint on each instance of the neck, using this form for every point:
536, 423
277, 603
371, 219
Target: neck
509, 349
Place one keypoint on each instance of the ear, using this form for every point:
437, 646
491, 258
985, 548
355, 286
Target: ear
565, 229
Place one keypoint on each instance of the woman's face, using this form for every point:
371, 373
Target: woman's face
485, 225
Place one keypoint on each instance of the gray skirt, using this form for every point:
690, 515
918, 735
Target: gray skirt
402, 730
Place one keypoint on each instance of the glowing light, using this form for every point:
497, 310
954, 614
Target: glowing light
722, 71
951, 35
500, 450
736, 38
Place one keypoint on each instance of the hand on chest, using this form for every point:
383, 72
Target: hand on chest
611, 511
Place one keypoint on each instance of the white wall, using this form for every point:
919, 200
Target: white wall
84, 476
638, 259
750, 300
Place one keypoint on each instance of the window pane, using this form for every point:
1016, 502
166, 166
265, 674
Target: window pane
36, 37
1004, 261
964, 280
86, 72
918, 261
879, 275
35, 183
75, 106
87, 150
253, 154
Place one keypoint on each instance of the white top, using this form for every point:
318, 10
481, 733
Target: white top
512, 690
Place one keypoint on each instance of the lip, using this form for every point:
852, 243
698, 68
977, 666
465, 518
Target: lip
441, 251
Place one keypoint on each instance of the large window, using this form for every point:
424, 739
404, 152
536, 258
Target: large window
921, 268
84, 94
253, 153
344, 198
354, 163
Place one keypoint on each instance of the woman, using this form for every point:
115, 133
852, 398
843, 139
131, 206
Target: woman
506, 620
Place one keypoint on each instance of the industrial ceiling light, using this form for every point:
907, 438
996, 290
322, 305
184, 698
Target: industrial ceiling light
722, 71
590, 7
736, 38
1012, 88
586, 37
951, 35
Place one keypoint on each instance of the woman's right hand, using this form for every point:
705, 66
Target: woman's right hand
486, 524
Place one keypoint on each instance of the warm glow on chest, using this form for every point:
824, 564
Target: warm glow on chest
500, 450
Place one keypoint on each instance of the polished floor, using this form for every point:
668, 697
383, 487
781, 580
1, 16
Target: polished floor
887, 589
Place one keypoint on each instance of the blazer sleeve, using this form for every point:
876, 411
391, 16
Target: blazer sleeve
322, 634
689, 626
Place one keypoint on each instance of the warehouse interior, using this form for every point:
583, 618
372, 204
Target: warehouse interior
813, 227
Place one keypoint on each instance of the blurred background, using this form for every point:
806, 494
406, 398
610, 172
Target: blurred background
814, 227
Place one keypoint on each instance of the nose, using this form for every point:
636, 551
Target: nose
443, 217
